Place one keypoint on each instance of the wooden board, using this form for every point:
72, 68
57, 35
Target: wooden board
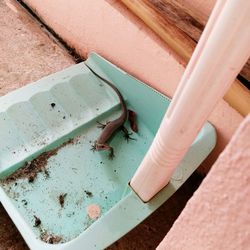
180, 28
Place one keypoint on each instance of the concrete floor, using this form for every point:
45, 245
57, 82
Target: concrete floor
28, 54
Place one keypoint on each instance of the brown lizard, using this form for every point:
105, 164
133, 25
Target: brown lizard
111, 127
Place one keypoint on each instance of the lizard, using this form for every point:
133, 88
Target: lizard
111, 127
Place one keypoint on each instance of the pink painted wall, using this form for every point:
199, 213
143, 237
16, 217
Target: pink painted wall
218, 215
108, 28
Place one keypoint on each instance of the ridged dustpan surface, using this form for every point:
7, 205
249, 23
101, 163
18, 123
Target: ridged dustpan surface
52, 125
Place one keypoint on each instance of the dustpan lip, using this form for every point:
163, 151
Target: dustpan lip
94, 56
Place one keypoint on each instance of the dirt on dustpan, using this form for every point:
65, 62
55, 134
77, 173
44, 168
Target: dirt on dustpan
32, 168
44, 235
61, 199
30, 171
49, 238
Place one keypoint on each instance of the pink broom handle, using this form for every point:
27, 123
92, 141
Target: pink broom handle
220, 54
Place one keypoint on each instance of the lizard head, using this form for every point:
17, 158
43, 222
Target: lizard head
100, 147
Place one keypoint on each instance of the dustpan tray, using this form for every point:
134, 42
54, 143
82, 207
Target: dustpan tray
58, 114
85, 177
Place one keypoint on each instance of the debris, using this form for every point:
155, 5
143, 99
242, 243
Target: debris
93, 211
37, 221
32, 168
50, 238
46, 172
32, 177
25, 203
88, 193
52, 104
61, 199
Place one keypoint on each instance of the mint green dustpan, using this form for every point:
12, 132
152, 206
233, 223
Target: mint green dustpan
42, 116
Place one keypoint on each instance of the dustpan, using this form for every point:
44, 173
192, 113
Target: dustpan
53, 123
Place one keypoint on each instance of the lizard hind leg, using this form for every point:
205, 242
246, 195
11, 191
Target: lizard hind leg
127, 135
93, 147
111, 153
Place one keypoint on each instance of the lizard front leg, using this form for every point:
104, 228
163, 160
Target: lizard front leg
101, 125
127, 134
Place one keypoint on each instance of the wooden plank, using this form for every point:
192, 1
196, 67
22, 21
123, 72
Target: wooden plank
178, 41
179, 16
179, 28
187, 20
185, 6
238, 96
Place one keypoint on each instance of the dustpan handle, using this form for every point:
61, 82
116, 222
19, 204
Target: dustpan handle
219, 56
